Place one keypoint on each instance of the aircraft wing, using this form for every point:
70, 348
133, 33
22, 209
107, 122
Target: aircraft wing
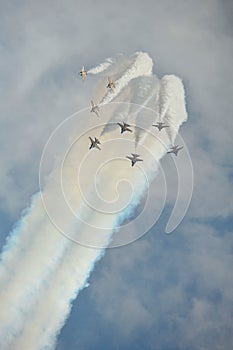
98, 147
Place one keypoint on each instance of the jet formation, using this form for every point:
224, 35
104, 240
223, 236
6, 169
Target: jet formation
134, 158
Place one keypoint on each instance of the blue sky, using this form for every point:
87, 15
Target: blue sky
162, 292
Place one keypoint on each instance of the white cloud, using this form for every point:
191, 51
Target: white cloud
182, 281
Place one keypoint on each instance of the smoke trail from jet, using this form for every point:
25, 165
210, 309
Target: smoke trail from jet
142, 65
41, 271
171, 93
102, 67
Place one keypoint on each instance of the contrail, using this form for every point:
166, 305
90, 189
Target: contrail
41, 271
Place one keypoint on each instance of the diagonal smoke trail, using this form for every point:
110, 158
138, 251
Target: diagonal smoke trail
42, 271
102, 67
26, 244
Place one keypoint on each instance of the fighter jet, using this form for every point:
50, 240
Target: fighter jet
94, 108
160, 125
134, 158
175, 149
110, 85
94, 143
124, 127
83, 73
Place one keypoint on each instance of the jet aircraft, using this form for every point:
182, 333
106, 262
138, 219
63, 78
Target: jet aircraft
110, 85
175, 149
94, 143
124, 127
134, 158
160, 125
94, 108
83, 73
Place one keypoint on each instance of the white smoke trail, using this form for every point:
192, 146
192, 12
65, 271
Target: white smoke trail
171, 94
141, 66
18, 254
41, 271
102, 67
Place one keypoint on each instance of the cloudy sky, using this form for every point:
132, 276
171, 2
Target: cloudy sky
162, 292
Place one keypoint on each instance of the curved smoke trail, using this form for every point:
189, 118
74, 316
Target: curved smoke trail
41, 271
